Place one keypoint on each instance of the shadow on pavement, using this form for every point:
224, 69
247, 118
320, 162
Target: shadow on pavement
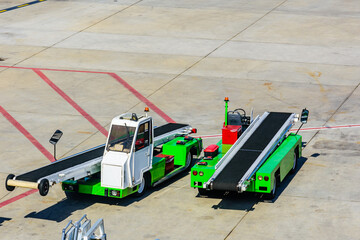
246, 201
283, 185
3, 219
64, 208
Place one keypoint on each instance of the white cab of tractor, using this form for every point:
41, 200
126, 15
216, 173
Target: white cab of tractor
128, 151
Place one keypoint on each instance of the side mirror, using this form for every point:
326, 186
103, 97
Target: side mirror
54, 139
304, 116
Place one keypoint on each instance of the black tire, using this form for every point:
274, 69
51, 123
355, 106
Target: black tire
189, 159
72, 195
272, 194
9, 188
210, 193
144, 185
203, 192
44, 187
293, 169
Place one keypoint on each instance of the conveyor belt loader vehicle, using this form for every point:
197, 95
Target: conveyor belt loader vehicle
136, 155
254, 155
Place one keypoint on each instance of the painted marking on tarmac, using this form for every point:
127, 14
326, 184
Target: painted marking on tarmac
35, 142
294, 130
18, 197
51, 84
21, 6
71, 102
116, 77
142, 98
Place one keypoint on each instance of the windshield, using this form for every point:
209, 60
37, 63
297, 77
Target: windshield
120, 138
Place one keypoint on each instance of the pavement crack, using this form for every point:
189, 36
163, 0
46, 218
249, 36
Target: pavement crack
82, 30
332, 115
222, 44
242, 218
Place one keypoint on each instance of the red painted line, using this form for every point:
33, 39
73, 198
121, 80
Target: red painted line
71, 102
142, 98
27, 134
11, 200
115, 76
34, 142
327, 127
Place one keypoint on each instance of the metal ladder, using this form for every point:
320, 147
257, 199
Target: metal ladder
82, 230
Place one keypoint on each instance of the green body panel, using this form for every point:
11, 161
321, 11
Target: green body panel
282, 158
158, 169
225, 148
180, 151
92, 185
208, 170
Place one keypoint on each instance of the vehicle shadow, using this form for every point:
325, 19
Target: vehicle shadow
283, 185
3, 219
237, 201
64, 208
246, 201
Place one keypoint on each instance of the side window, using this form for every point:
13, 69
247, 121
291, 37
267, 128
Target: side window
143, 136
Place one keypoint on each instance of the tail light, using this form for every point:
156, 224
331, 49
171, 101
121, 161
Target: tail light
201, 173
260, 177
194, 130
266, 178
195, 172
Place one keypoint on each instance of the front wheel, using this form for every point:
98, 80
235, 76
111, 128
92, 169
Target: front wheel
143, 185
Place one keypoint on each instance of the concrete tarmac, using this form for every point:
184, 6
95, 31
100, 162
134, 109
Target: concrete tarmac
60, 68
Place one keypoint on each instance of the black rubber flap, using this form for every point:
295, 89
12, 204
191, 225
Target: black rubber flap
60, 165
229, 177
169, 127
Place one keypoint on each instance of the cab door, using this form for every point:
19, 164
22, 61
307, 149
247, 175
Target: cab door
142, 151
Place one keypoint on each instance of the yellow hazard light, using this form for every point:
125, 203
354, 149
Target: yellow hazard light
226, 99
146, 109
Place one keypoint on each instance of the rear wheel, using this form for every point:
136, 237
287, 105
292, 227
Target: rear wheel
9, 177
188, 160
293, 169
272, 194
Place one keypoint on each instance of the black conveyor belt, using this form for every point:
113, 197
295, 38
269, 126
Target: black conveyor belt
60, 165
229, 177
80, 158
169, 127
